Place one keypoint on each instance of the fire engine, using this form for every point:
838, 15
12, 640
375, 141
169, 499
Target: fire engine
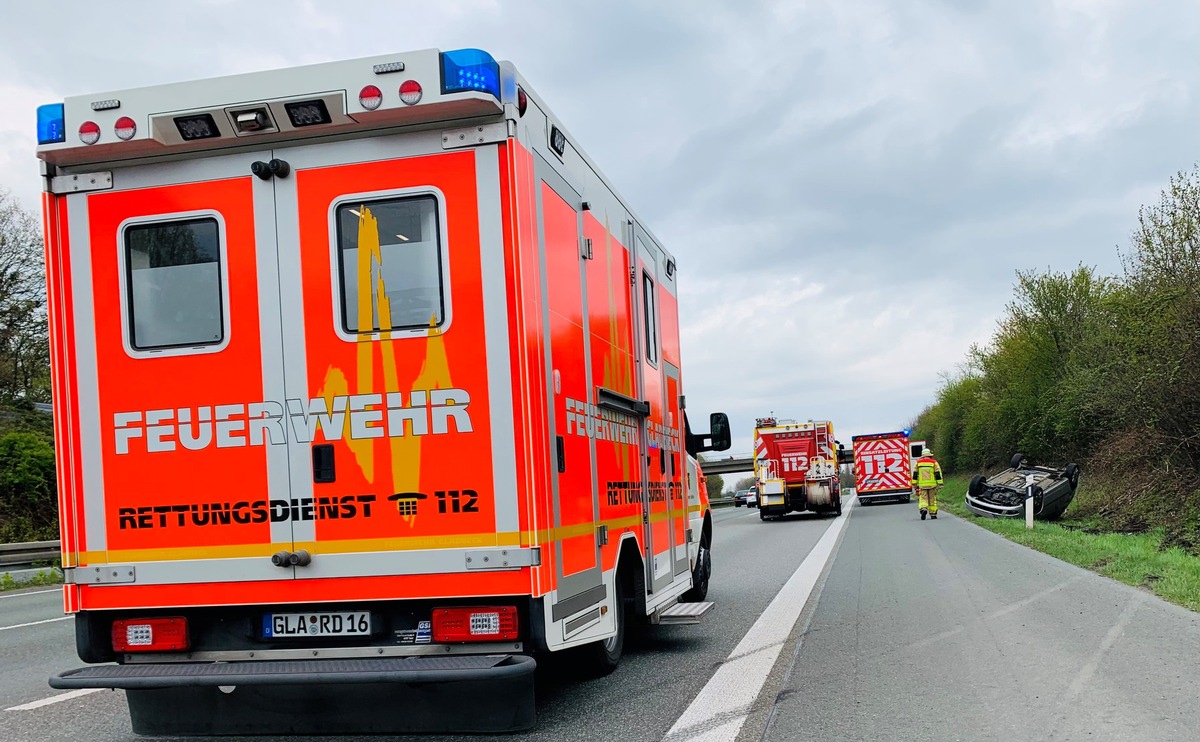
795, 465
883, 467
367, 384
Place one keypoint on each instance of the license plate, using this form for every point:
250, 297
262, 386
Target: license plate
349, 623
485, 623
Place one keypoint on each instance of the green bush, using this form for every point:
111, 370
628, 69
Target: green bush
1103, 370
28, 499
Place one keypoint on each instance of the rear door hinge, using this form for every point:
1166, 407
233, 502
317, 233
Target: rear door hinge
472, 136
81, 182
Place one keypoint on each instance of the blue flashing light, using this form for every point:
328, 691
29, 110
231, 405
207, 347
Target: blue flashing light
52, 124
907, 432
470, 69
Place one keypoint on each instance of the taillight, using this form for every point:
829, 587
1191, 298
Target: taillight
410, 92
150, 634
125, 128
475, 624
89, 132
370, 97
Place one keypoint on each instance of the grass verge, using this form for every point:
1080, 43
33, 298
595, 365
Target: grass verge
41, 579
1136, 559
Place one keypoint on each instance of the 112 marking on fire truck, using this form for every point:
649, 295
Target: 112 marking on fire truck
364, 362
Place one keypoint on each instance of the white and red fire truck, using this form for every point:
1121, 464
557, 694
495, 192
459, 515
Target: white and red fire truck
366, 383
882, 467
795, 467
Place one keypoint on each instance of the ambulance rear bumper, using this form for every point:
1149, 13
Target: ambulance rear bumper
386, 695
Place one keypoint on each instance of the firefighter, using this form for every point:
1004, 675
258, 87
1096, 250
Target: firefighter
926, 479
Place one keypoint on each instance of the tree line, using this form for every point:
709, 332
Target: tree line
1097, 369
28, 493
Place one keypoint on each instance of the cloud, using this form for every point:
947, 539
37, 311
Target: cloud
848, 186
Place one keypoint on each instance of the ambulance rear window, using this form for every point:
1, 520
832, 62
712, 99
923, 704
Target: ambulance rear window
389, 253
173, 278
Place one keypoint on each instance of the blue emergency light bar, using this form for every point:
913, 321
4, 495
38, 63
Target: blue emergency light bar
470, 69
51, 124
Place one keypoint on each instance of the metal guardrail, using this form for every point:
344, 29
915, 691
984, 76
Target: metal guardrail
16, 556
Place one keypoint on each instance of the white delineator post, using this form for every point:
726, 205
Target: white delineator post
1029, 480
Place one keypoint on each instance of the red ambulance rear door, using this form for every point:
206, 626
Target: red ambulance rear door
173, 275
397, 365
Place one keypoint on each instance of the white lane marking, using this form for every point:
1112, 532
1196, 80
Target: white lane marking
33, 623
719, 710
35, 592
55, 699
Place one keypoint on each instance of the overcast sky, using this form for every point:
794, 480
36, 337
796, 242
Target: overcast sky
848, 185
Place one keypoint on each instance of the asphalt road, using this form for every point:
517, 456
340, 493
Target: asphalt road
914, 630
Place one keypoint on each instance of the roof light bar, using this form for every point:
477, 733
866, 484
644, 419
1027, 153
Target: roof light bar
470, 70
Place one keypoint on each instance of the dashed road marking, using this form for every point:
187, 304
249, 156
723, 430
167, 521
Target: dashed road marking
34, 623
55, 699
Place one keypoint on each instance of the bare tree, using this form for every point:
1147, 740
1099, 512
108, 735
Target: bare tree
24, 345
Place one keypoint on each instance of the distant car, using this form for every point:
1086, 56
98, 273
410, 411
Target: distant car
739, 498
1003, 495
751, 498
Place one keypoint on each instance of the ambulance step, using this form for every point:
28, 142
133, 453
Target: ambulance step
685, 613
356, 696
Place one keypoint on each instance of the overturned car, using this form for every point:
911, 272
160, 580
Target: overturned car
1003, 495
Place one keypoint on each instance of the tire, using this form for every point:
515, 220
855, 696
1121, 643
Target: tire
907, 499
1015, 461
701, 574
837, 505
762, 516
1039, 499
975, 488
737, 504
1072, 475
601, 658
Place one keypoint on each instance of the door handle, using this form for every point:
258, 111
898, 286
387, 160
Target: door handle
324, 471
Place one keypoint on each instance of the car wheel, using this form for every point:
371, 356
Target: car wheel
975, 488
1016, 460
1072, 475
1039, 499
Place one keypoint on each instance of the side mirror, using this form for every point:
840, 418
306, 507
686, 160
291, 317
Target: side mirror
718, 426
717, 439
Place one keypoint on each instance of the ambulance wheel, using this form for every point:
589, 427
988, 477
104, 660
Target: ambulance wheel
602, 657
701, 573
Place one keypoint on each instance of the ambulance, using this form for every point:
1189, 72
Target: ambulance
883, 466
367, 392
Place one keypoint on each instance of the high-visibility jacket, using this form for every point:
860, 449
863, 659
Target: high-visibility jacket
927, 473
